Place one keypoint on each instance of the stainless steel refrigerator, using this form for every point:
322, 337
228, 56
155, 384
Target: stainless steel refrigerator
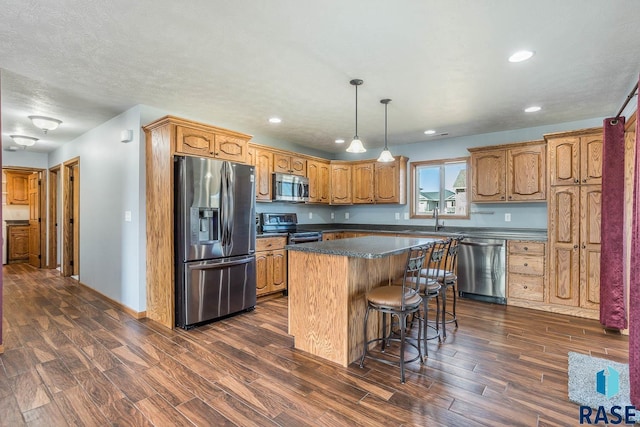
215, 239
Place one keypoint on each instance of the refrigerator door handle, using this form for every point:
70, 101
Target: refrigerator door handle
204, 265
227, 208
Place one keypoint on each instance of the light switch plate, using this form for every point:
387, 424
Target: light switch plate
333, 215
310, 215
397, 215
507, 217
127, 216
406, 215
346, 215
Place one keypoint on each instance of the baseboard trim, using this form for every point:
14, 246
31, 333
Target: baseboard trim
569, 311
131, 312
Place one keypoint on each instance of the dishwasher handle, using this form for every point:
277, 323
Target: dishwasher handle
480, 243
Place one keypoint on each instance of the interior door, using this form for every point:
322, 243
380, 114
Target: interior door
76, 219
34, 220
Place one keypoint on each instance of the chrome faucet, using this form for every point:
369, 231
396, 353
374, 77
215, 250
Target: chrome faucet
436, 213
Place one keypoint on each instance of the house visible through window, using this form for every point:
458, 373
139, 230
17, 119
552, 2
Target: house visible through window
439, 184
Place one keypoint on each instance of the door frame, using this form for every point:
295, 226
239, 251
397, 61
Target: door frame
67, 215
54, 180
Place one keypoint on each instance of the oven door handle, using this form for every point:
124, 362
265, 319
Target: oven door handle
295, 240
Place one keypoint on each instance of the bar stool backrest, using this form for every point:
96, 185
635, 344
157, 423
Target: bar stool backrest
416, 257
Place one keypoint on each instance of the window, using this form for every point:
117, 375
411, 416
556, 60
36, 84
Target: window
442, 185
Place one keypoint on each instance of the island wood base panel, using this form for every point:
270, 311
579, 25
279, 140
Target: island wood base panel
327, 301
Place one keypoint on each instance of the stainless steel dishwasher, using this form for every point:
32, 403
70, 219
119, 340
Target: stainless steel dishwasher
481, 269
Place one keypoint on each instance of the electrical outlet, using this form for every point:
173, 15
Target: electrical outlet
333, 215
346, 215
310, 215
397, 215
507, 217
406, 215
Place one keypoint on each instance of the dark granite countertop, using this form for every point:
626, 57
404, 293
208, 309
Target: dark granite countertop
477, 232
362, 247
259, 235
16, 221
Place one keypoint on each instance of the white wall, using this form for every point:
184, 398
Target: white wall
110, 184
24, 158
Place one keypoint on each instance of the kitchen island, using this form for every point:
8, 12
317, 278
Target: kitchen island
328, 282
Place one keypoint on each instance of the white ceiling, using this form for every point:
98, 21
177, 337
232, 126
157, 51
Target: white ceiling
236, 63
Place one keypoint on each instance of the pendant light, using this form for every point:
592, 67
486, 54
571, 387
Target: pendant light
356, 145
385, 156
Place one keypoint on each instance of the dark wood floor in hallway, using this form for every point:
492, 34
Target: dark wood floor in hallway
72, 358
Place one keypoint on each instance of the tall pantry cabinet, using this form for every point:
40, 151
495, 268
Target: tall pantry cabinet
575, 191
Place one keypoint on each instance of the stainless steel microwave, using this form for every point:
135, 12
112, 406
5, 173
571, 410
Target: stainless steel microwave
290, 188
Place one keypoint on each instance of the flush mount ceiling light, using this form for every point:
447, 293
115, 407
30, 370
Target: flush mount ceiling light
430, 132
385, 156
339, 141
356, 145
532, 109
45, 123
521, 55
26, 141
275, 120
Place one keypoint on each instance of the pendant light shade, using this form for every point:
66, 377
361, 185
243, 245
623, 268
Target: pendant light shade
356, 145
385, 156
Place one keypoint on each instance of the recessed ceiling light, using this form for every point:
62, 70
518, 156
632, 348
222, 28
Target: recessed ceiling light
339, 141
532, 109
430, 132
275, 120
520, 56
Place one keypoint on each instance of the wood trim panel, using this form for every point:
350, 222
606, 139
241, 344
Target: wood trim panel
506, 146
159, 195
579, 132
54, 180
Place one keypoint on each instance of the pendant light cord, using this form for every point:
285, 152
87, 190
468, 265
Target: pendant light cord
385, 126
356, 137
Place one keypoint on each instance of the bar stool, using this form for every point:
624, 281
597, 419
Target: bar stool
400, 301
444, 272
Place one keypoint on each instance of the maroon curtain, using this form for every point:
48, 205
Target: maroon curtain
612, 288
634, 281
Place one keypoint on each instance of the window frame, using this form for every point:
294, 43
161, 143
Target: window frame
438, 162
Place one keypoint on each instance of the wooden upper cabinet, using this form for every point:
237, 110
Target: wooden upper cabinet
591, 159
201, 140
488, 176
318, 174
575, 159
17, 187
264, 169
230, 148
363, 182
526, 173
285, 163
509, 173
194, 141
390, 181
341, 184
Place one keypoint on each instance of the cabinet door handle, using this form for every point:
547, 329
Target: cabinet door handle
526, 248
526, 264
502, 198
584, 246
584, 180
577, 181
575, 246
525, 287
510, 197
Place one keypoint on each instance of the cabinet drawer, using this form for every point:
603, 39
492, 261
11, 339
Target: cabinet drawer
532, 248
526, 287
526, 264
270, 243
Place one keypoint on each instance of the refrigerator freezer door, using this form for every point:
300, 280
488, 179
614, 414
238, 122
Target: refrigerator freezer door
214, 289
215, 209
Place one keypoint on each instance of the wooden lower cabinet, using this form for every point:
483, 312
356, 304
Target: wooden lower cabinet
525, 271
18, 243
271, 265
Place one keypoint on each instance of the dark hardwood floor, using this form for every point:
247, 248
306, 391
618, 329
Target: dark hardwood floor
71, 358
